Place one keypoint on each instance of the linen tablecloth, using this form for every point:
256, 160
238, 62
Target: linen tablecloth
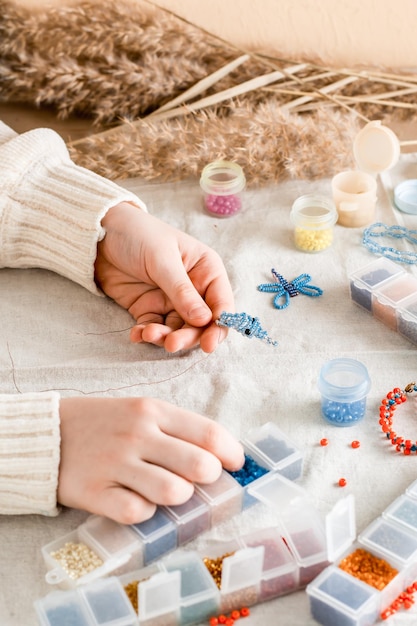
55, 335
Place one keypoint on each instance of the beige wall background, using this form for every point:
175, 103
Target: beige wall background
337, 32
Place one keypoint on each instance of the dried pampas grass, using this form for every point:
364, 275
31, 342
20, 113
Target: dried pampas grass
270, 145
109, 59
166, 98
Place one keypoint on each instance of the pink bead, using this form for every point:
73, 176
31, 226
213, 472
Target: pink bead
223, 205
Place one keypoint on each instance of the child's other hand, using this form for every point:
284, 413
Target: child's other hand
174, 286
120, 457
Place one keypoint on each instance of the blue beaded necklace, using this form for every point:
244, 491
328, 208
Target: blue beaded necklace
379, 230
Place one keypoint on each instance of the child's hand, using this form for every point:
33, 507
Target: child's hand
173, 285
122, 456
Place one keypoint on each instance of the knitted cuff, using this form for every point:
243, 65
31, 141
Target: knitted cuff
29, 453
51, 209
6, 133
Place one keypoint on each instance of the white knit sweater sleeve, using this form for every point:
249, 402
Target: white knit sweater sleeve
50, 208
29, 453
50, 214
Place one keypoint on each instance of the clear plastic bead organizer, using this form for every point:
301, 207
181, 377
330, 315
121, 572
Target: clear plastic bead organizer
116, 547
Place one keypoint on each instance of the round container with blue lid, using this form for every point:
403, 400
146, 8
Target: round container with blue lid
405, 196
344, 384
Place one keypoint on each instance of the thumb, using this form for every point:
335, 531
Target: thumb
188, 303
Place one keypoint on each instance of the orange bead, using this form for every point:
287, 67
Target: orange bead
213, 621
342, 482
235, 614
356, 444
324, 441
244, 611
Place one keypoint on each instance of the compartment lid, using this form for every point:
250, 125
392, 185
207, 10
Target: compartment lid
242, 569
278, 492
376, 148
340, 526
159, 595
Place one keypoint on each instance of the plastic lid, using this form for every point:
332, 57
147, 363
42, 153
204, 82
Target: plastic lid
376, 148
405, 196
340, 527
344, 380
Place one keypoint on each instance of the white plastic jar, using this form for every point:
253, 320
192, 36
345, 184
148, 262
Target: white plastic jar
313, 217
222, 183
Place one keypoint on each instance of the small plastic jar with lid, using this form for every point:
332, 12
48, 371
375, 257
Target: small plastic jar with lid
344, 385
313, 217
222, 183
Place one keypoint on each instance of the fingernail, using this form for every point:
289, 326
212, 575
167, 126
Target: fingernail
198, 312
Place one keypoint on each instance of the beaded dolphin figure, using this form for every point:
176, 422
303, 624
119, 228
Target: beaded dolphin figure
246, 325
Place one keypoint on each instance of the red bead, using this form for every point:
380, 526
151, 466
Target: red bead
222, 619
324, 441
356, 444
342, 482
244, 611
229, 622
235, 614
386, 614
213, 621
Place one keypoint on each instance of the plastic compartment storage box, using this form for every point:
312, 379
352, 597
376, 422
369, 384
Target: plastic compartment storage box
191, 518
95, 549
270, 447
274, 452
315, 540
280, 572
102, 603
390, 541
158, 536
407, 318
199, 593
366, 280
224, 497
403, 511
254, 567
388, 292
336, 597
388, 298
339, 597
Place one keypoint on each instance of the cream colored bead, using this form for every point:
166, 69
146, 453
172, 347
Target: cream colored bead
77, 559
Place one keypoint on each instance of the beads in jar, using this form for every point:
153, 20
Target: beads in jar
222, 183
313, 217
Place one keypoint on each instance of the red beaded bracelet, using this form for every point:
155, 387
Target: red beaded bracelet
386, 412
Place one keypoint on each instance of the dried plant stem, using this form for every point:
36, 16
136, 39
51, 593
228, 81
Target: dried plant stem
201, 85
232, 92
227, 94
324, 91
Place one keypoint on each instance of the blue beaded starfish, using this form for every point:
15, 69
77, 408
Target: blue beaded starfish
286, 290
245, 325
